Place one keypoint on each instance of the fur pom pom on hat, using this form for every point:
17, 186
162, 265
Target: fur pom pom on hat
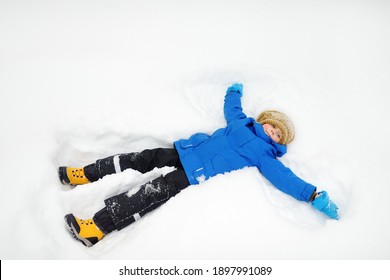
281, 121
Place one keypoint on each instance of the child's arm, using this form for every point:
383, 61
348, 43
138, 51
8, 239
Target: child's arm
232, 106
285, 180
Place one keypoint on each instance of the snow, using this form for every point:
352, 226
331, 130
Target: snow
82, 80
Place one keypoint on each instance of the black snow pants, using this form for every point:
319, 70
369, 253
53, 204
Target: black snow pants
121, 210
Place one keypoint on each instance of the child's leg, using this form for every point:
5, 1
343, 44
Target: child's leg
143, 162
122, 210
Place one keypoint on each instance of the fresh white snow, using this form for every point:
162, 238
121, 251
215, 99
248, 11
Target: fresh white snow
82, 80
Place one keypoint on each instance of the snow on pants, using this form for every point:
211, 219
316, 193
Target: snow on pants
123, 209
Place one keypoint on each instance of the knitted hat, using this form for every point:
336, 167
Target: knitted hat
281, 121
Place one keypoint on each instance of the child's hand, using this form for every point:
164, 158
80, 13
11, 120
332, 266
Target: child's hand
236, 87
325, 205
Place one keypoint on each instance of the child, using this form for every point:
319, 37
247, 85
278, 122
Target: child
243, 142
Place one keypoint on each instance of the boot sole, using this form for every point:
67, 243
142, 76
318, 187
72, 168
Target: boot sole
63, 175
72, 227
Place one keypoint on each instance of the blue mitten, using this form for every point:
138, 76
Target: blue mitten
325, 205
235, 88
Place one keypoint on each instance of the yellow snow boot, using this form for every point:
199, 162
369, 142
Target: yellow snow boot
72, 176
85, 231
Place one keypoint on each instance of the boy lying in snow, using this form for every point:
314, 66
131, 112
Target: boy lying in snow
243, 142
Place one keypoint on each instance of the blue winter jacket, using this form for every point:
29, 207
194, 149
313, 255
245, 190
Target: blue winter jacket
241, 143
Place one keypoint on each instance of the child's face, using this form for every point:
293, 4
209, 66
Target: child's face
272, 131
